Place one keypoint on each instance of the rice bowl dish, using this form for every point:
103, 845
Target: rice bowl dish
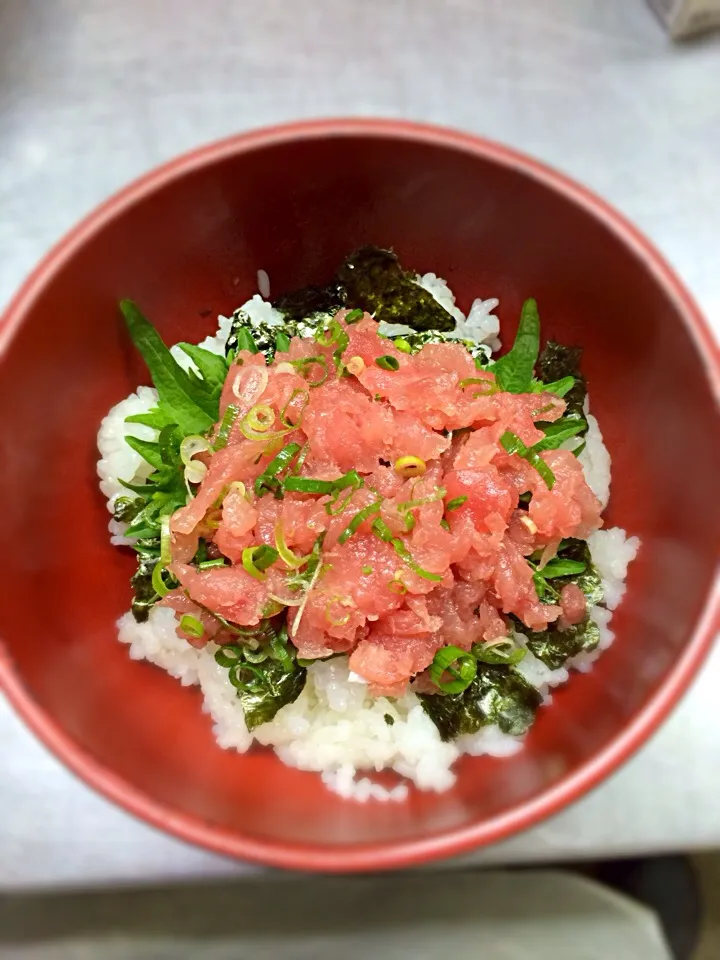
370, 544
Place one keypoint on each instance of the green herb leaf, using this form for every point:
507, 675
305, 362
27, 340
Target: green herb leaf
157, 418
562, 568
148, 449
558, 387
557, 433
514, 371
282, 342
213, 368
190, 402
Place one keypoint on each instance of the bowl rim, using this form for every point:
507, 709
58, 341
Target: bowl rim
382, 855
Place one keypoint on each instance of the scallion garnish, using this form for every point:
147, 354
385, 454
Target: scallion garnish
192, 626
513, 444
402, 551
209, 564
305, 399
290, 559
488, 387
268, 479
257, 559
313, 485
387, 362
498, 652
304, 366
410, 466
228, 655
159, 585
165, 541
361, 515
402, 345
353, 316
367, 570
232, 412
461, 666
455, 503
381, 530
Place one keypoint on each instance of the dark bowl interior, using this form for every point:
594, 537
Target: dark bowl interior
186, 243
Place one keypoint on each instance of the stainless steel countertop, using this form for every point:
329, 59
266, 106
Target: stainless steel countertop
94, 92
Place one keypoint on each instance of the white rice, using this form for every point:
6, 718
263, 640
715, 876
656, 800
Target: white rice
334, 727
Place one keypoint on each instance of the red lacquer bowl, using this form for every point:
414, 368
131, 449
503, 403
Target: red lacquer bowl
186, 242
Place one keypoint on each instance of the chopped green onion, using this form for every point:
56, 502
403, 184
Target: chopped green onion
159, 585
192, 626
397, 586
209, 564
231, 414
255, 656
410, 466
361, 515
488, 386
282, 342
334, 333
344, 618
313, 485
353, 316
402, 551
437, 494
284, 419
455, 503
191, 446
305, 363
513, 444
228, 655
257, 559
409, 519
381, 530
367, 570
165, 541
460, 665
402, 345
387, 362
500, 652
289, 558
239, 675
268, 478
260, 417
245, 341
445, 525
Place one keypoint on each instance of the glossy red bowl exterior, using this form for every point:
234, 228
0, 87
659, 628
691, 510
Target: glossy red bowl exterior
186, 242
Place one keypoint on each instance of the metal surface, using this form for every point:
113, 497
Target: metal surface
94, 92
